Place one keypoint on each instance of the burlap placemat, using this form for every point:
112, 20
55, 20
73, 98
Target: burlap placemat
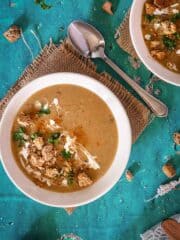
64, 58
123, 37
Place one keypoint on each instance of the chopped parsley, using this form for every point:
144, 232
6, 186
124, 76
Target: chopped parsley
18, 136
175, 17
177, 35
43, 4
149, 17
169, 43
65, 154
54, 138
44, 110
70, 178
35, 135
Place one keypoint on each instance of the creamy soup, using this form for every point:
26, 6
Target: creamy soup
161, 31
64, 138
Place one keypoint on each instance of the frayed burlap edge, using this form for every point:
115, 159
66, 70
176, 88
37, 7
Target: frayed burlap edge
123, 37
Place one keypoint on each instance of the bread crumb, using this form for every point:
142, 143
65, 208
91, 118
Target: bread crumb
13, 33
176, 138
84, 180
70, 210
129, 175
169, 170
107, 7
149, 8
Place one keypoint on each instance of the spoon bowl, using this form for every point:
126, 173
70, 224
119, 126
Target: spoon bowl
86, 39
89, 42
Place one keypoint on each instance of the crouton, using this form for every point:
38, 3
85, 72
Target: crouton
13, 33
169, 170
84, 180
154, 44
107, 7
158, 54
176, 138
149, 8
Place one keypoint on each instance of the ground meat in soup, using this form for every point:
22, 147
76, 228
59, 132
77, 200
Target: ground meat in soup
161, 31
64, 138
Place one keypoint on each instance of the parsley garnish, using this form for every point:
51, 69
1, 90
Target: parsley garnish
54, 138
35, 135
175, 17
149, 18
66, 154
177, 35
43, 4
18, 136
44, 110
70, 178
169, 43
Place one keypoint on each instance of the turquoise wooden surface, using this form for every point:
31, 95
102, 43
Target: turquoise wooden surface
121, 214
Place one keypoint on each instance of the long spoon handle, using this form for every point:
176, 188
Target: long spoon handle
157, 107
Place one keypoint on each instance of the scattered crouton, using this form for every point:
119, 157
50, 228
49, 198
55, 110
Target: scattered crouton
169, 170
84, 180
107, 7
176, 138
158, 54
129, 175
13, 33
149, 8
172, 66
154, 44
69, 210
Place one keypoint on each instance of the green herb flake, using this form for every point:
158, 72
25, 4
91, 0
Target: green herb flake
169, 43
177, 35
18, 136
35, 135
149, 18
70, 178
175, 17
65, 154
43, 4
54, 138
43, 111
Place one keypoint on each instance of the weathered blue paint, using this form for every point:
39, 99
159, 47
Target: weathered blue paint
121, 214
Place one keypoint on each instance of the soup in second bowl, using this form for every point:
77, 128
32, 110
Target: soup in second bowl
64, 138
161, 31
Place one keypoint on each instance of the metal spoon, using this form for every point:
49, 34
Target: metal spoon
91, 44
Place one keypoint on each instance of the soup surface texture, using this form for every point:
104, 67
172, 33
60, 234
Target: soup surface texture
161, 31
64, 138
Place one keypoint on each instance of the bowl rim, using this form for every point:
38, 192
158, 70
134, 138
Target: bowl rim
27, 186
141, 49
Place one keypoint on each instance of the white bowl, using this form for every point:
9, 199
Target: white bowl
141, 48
100, 187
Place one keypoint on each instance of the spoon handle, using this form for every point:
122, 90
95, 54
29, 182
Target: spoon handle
157, 107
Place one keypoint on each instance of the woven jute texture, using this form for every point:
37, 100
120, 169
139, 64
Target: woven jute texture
124, 39
64, 58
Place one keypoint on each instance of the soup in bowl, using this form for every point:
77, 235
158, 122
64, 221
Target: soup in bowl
155, 34
67, 137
